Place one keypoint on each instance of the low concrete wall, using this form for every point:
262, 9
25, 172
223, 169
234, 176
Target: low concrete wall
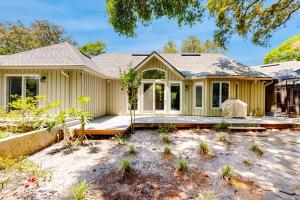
31, 142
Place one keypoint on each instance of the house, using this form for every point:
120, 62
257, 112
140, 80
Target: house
284, 93
173, 84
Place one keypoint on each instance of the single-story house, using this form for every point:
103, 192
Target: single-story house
284, 93
179, 84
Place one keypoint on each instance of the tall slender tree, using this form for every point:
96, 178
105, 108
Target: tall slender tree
170, 47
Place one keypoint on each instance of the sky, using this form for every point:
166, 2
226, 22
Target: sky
87, 21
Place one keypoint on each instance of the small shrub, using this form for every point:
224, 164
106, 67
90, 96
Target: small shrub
80, 191
182, 165
222, 137
3, 135
227, 171
221, 126
166, 128
125, 166
131, 149
120, 139
203, 148
206, 197
167, 150
246, 162
164, 137
256, 149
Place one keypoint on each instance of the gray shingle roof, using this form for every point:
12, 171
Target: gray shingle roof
189, 66
63, 54
280, 70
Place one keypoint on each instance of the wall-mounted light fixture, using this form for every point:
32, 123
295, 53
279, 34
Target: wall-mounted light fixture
43, 79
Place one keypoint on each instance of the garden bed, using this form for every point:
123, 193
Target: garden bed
274, 172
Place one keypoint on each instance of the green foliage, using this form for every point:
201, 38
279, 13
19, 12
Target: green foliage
93, 48
125, 166
170, 47
131, 149
120, 139
255, 19
204, 149
15, 37
3, 135
182, 165
164, 137
286, 51
83, 116
221, 126
166, 128
193, 45
124, 16
256, 149
222, 137
227, 171
167, 150
131, 83
80, 191
206, 197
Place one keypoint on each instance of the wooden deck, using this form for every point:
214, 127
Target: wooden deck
112, 125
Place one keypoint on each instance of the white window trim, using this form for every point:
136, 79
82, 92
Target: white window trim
169, 100
153, 68
220, 92
194, 94
23, 76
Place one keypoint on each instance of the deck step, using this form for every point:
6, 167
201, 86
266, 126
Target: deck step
246, 129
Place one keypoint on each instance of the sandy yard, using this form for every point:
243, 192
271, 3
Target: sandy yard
274, 175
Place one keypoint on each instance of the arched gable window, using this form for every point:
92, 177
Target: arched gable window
154, 74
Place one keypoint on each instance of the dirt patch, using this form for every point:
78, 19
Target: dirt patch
137, 185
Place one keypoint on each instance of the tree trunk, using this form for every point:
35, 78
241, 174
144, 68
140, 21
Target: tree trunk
81, 137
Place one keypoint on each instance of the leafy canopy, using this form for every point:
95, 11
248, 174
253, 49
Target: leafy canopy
255, 18
16, 37
93, 48
170, 47
193, 45
287, 51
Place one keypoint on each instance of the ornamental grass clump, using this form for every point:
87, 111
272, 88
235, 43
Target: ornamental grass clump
227, 171
203, 146
125, 166
206, 197
167, 150
164, 138
256, 149
80, 191
131, 149
222, 137
182, 165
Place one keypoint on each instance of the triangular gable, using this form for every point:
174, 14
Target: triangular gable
160, 58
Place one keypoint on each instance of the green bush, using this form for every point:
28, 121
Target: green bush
203, 146
167, 150
256, 149
120, 139
182, 165
246, 162
227, 171
164, 137
221, 126
222, 137
125, 166
166, 128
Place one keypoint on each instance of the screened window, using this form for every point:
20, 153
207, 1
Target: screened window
26, 86
154, 74
198, 95
220, 94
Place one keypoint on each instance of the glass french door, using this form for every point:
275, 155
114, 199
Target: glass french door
153, 97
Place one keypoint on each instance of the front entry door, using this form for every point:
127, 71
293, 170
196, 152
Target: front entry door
153, 97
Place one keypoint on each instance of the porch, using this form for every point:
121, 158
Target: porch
112, 125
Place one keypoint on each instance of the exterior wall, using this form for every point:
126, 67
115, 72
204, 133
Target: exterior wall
116, 99
58, 86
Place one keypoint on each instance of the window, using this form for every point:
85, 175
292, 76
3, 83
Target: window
154, 74
175, 96
198, 95
220, 93
17, 86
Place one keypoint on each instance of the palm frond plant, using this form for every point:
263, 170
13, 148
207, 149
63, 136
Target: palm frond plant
131, 83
